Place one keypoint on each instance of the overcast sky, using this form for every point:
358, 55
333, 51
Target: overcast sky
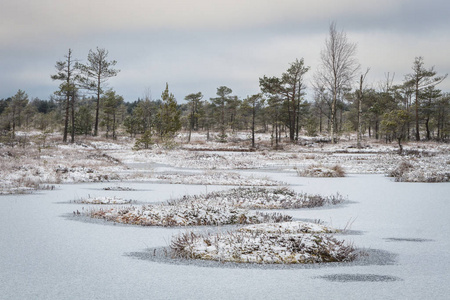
199, 45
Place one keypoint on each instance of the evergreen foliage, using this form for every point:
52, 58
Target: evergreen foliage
168, 115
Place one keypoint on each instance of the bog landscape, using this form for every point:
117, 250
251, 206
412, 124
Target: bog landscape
274, 196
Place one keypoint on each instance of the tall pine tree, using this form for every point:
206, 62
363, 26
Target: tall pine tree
168, 115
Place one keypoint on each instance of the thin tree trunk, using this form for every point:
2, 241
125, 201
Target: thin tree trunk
253, 124
72, 136
114, 126
97, 109
417, 112
333, 119
66, 118
190, 127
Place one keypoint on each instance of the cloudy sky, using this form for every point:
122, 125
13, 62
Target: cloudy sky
199, 45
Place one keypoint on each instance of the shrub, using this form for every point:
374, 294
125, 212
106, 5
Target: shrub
144, 142
321, 171
406, 172
401, 169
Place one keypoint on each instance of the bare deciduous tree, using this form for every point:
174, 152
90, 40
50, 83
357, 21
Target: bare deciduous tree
360, 98
337, 69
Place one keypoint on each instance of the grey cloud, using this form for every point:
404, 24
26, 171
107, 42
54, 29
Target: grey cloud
233, 46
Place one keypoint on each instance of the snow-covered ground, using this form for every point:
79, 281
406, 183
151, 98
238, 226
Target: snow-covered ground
45, 253
96, 160
48, 250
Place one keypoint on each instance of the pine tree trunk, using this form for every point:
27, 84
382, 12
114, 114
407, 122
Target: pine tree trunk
66, 118
417, 112
72, 136
253, 125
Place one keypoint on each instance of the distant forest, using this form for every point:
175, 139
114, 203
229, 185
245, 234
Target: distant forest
342, 104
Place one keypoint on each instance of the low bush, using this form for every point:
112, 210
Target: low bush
407, 172
321, 171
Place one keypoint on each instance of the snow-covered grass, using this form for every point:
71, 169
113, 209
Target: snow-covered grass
186, 213
293, 227
39, 161
103, 200
321, 171
413, 171
282, 243
379, 160
32, 167
219, 178
269, 198
216, 208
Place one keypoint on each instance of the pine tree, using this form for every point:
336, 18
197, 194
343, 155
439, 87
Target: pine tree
15, 108
67, 74
168, 115
221, 101
193, 103
111, 104
420, 79
291, 87
95, 74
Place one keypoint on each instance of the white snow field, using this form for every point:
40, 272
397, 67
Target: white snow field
47, 253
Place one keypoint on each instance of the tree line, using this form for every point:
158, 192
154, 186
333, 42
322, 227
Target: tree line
342, 103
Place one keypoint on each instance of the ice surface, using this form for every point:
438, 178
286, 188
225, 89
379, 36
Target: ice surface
45, 255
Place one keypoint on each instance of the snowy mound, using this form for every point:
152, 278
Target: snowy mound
283, 244
271, 198
217, 208
185, 213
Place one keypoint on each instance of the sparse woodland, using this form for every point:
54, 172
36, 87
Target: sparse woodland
343, 104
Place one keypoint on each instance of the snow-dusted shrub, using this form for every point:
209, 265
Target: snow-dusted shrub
401, 169
407, 172
321, 171
264, 246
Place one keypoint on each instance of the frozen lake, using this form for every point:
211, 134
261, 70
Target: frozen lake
44, 255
